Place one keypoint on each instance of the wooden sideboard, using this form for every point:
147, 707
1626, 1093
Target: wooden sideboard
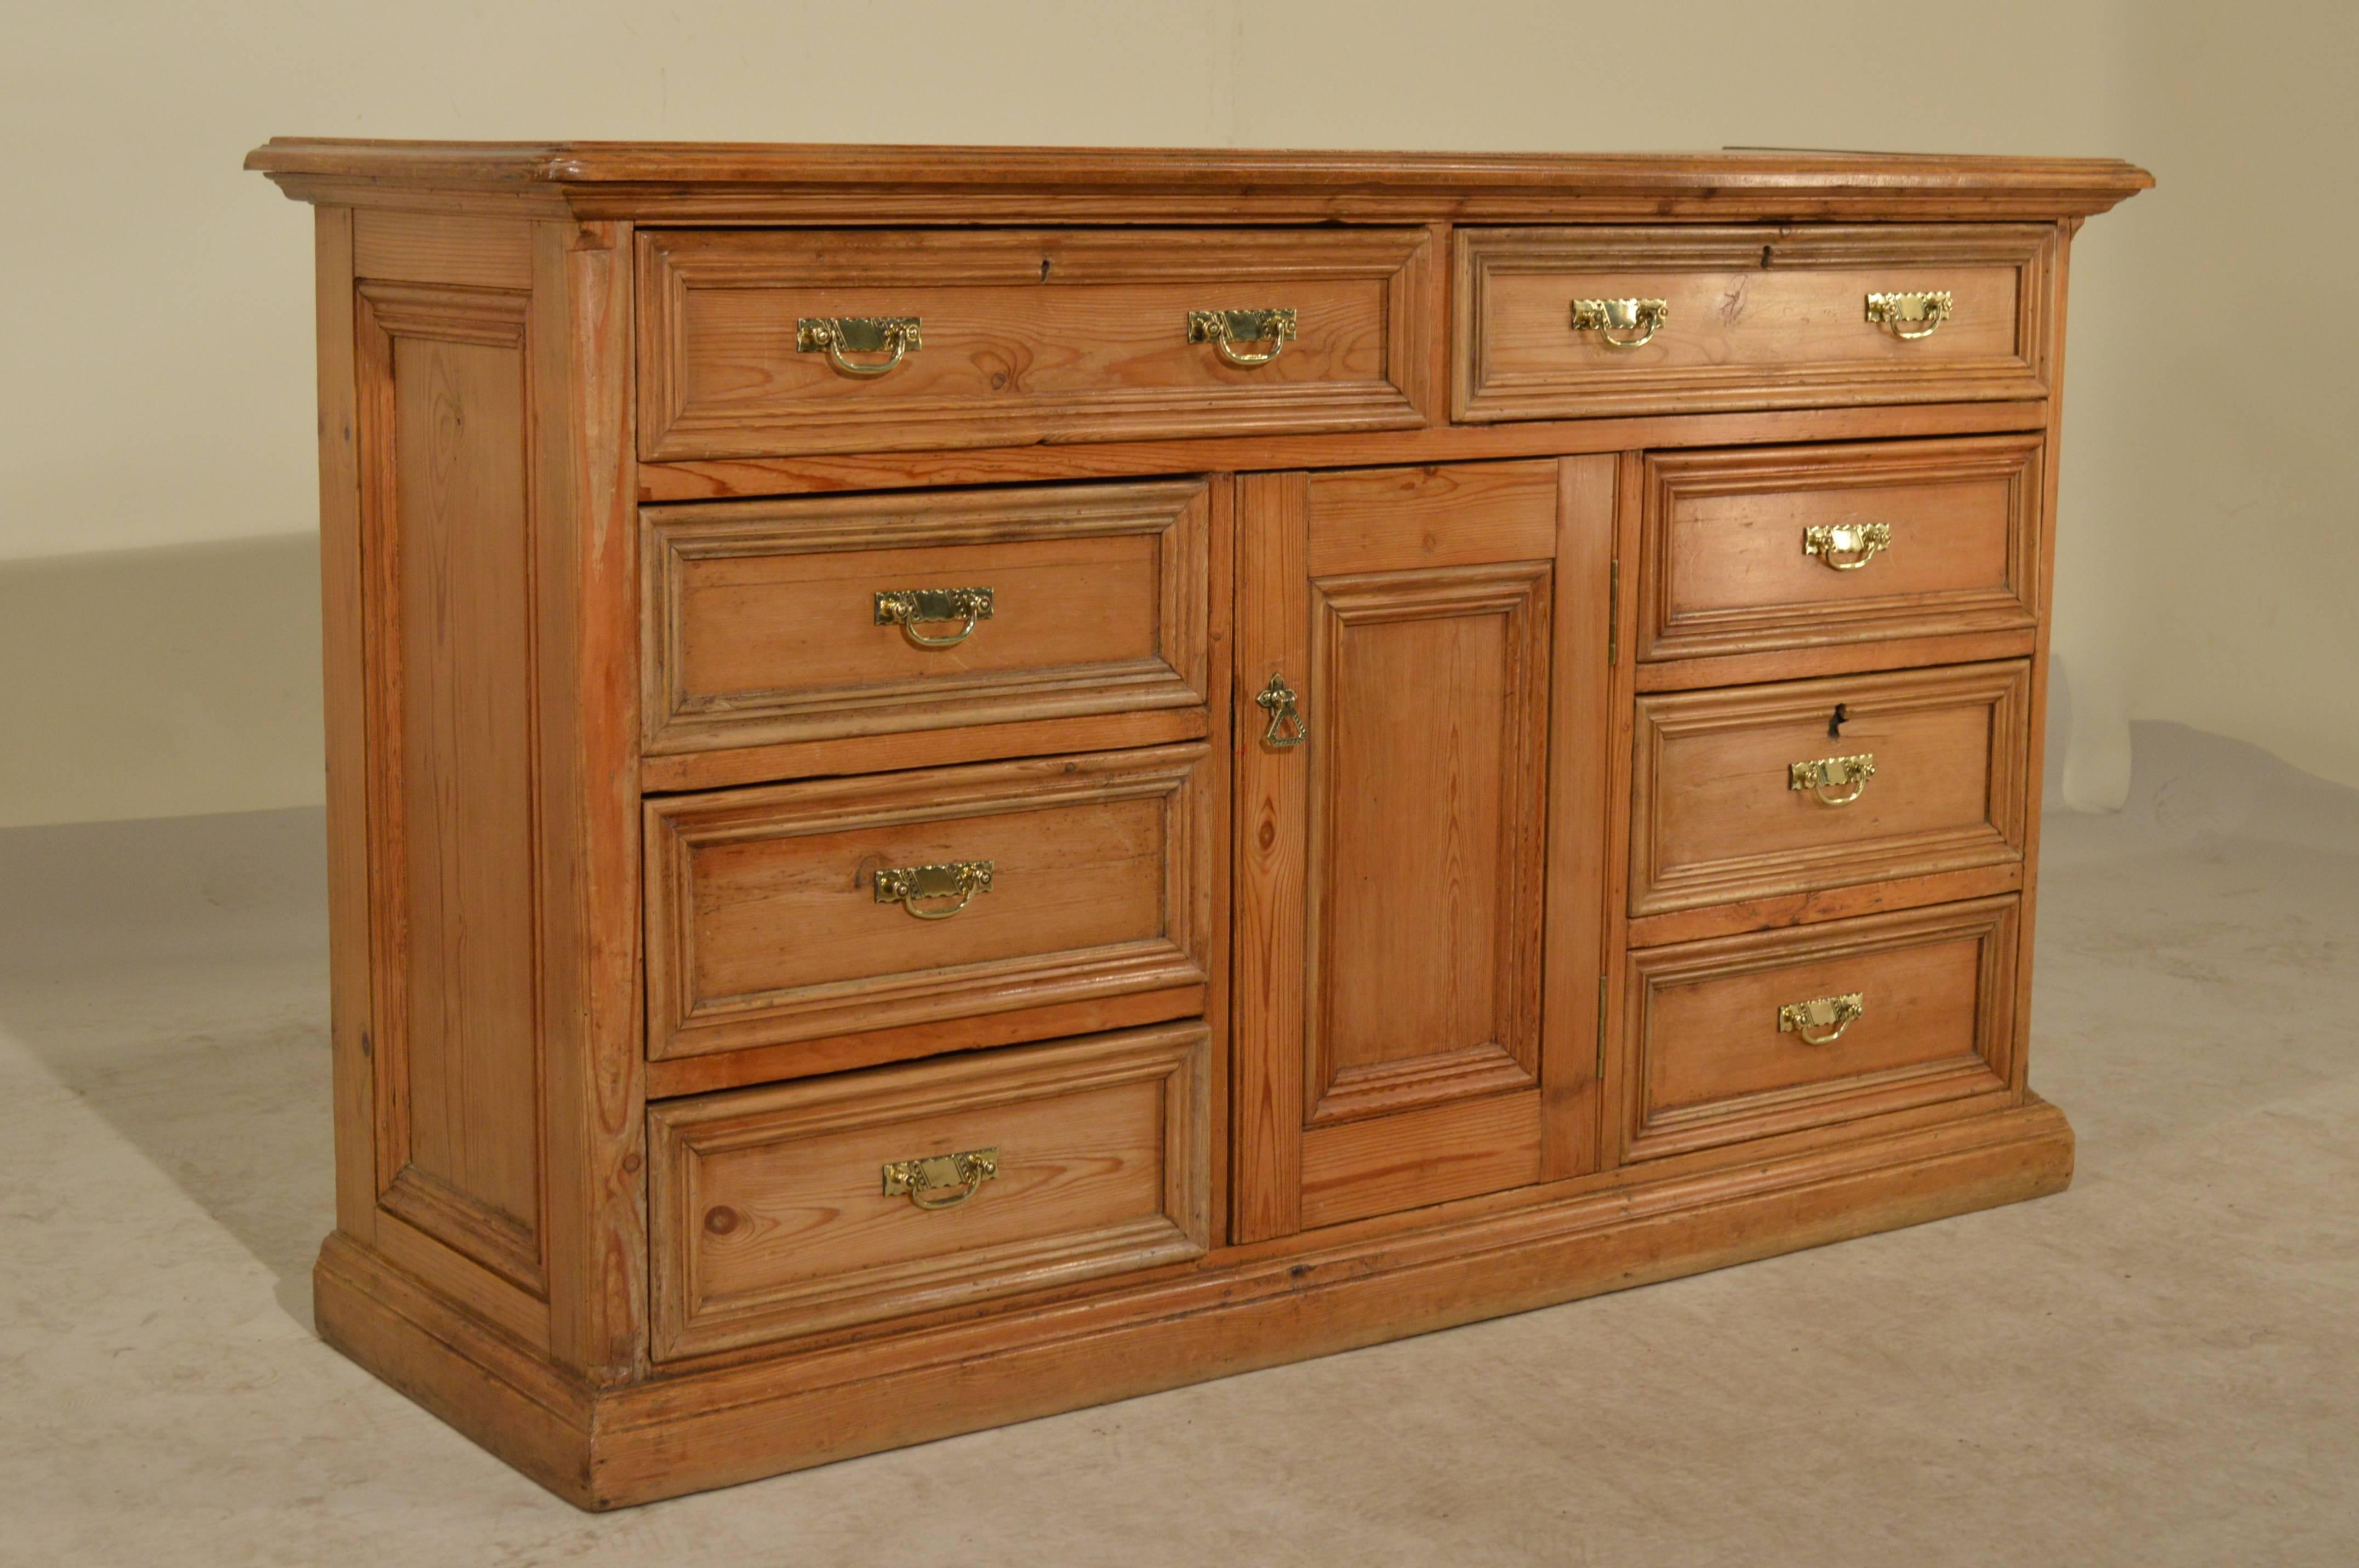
968, 782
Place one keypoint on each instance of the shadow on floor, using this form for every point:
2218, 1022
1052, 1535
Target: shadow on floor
171, 975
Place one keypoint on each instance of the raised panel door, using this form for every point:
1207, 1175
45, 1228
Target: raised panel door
1420, 863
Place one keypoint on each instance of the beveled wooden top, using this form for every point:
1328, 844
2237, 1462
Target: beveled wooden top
753, 182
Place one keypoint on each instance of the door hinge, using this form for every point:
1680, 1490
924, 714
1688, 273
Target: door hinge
1614, 615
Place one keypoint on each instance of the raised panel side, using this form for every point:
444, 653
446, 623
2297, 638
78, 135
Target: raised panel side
449, 642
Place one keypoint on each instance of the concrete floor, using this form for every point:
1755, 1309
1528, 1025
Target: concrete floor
2161, 1365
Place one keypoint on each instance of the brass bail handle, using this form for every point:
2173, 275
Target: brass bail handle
941, 1180
1286, 726
894, 336
1857, 544
1607, 317
906, 607
961, 880
1909, 316
1224, 329
1849, 774
1821, 1019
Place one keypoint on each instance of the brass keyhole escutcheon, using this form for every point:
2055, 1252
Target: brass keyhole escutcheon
1278, 700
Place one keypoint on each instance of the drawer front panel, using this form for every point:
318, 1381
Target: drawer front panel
1753, 318
763, 618
1746, 1036
1717, 815
1023, 336
780, 1211
1753, 551
1083, 877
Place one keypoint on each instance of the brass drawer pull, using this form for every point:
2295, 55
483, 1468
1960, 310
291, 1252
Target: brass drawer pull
1226, 329
834, 336
1286, 726
1831, 1015
906, 607
1900, 312
1833, 772
1860, 542
949, 1179
961, 880
1607, 317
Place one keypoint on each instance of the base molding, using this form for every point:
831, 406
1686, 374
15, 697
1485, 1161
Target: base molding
718, 1425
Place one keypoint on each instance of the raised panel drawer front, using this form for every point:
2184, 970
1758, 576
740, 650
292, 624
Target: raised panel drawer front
1760, 549
1741, 1037
770, 621
1559, 323
1781, 789
838, 1200
804, 910
1001, 336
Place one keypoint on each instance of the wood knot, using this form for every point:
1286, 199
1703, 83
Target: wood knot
721, 1219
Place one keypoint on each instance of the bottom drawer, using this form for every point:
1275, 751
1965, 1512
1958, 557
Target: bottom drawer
839, 1200
1743, 1036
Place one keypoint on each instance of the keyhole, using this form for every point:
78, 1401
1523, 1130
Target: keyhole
1834, 725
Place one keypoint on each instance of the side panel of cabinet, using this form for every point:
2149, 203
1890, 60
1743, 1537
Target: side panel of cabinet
448, 635
478, 556
1418, 887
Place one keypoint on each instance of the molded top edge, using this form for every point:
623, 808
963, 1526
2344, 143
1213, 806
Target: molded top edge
2070, 186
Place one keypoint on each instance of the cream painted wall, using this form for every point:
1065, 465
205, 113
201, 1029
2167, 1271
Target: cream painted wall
2209, 562
158, 388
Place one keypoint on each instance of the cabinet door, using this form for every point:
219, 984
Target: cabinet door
1421, 836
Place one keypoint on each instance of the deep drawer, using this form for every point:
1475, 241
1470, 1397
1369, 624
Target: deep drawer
1754, 550
1000, 336
769, 621
838, 1200
1559, 323
1744, 792
796, 911
1746, 1036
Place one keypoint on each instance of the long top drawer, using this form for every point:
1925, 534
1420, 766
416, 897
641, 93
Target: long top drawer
775, 342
